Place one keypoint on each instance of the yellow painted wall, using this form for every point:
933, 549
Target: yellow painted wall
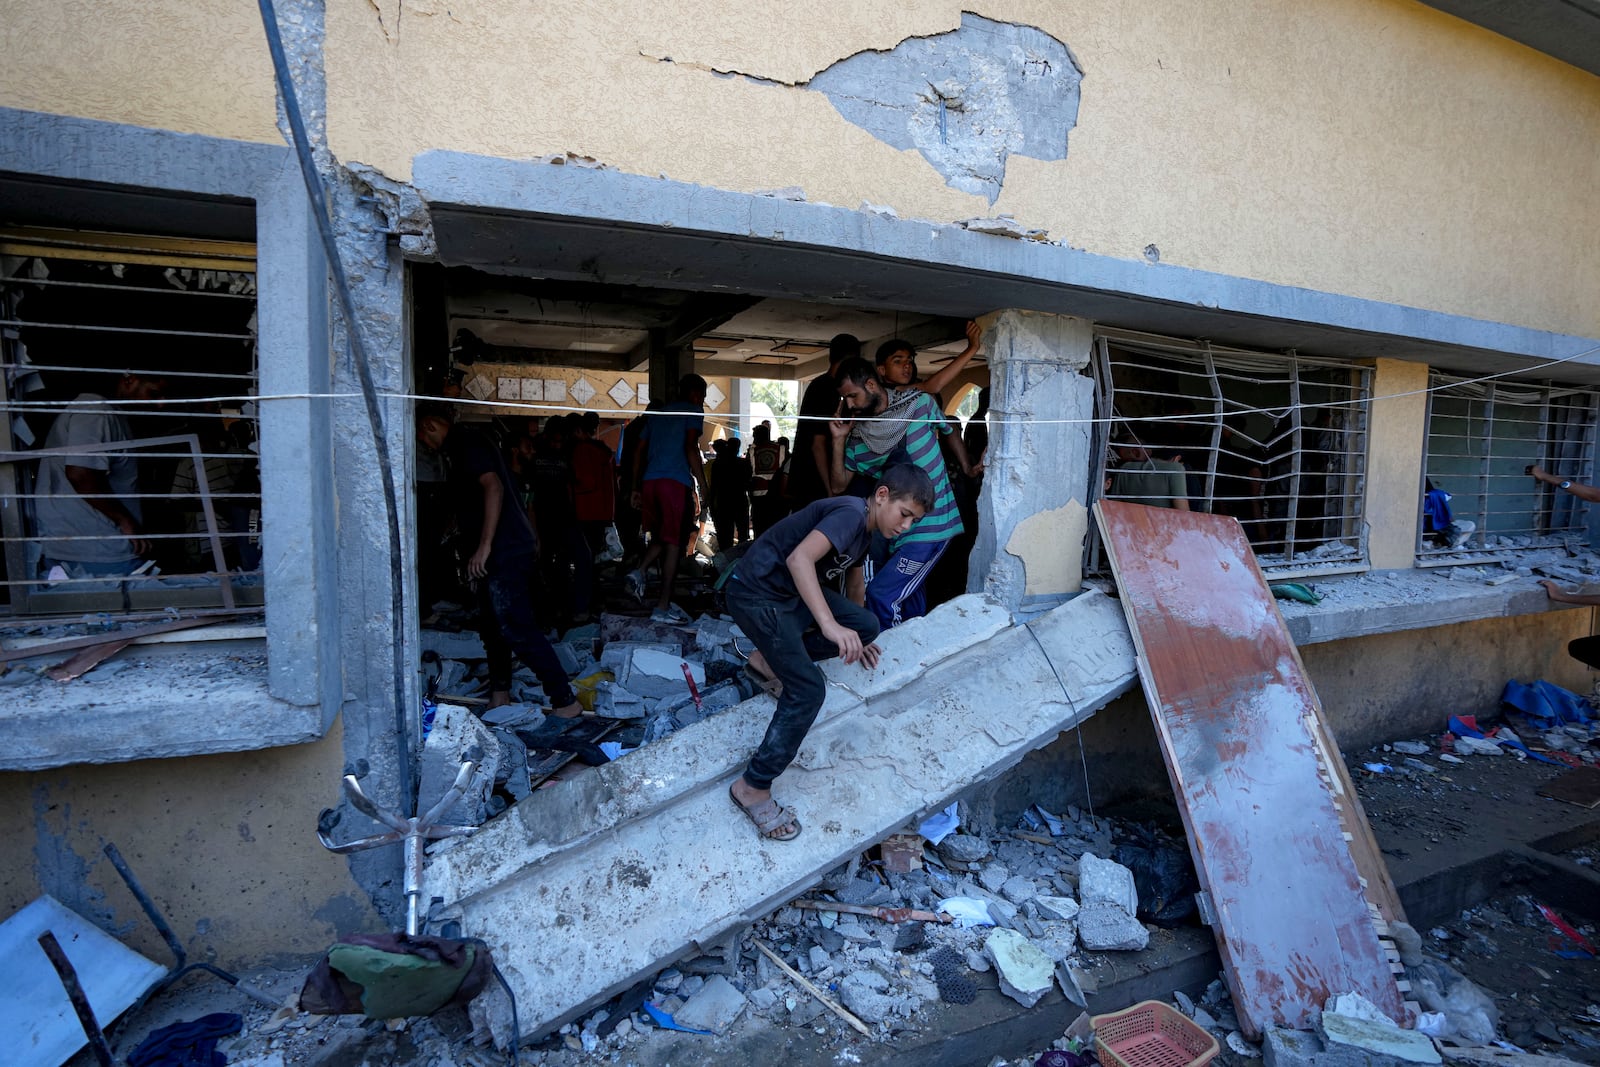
195, 66
225, 845
1376, 148
1396, 429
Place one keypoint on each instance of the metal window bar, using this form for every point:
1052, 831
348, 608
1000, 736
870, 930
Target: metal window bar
1481, 439
1296, 487
202, 483
97, 281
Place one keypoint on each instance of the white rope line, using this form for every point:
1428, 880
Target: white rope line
533, 407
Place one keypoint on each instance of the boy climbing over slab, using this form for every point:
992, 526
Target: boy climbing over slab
779, 601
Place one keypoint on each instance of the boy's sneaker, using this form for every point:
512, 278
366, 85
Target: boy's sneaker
670, 614
633, 582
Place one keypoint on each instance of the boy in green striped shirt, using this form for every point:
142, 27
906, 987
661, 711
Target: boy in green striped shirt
889, 426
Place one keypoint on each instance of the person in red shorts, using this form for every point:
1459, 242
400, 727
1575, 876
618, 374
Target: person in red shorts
667, 474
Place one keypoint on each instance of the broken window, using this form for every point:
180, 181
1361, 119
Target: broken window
132, 482
1482, 437
1277, 441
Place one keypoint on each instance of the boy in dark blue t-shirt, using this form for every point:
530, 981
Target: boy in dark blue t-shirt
778, 600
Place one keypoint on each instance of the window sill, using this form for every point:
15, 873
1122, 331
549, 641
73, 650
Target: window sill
150, 701
1382, 602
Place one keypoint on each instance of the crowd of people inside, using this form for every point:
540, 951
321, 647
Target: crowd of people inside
824, 541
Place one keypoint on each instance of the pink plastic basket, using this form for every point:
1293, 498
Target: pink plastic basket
1151, 1034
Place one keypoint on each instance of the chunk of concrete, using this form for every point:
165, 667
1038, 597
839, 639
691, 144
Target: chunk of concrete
1408, 942
654, 674
1106, 882
616, 655
1105, 927
1025, 972
1056, 938
528, 881
464, 645
713, 1007
627, 628
1050, 907
963, 849
861, 994
1380, 1037
612, 701
1019, 889
458, 735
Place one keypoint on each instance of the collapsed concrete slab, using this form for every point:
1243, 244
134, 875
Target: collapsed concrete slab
585, 888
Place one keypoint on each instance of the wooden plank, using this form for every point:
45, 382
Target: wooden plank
132, 633
1231, 704
1580, 786
87, 660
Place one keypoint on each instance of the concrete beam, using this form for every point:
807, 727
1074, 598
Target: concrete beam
578, 223
586, 888
920, 335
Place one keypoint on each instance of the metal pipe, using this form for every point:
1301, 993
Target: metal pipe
80, 1002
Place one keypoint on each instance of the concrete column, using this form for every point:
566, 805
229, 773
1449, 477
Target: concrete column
1396, 444
667, 365
297, 490
739, 404
1031, 514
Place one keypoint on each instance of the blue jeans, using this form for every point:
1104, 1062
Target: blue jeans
896, 591
507, 624
786, 634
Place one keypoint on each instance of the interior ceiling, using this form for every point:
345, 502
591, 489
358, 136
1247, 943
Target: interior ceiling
596, 325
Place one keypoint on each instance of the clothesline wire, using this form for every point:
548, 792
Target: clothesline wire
550, 408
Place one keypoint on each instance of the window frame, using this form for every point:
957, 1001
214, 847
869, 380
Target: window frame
28, 597
1440, 381
1357, 437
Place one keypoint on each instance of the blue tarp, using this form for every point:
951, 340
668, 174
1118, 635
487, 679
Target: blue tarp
1546, 706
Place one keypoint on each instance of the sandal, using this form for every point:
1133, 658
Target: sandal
769, 816
764, 682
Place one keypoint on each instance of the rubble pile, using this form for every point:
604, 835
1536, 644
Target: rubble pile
639, 681
1018, 899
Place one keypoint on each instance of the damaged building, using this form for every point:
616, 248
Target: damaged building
1334, 260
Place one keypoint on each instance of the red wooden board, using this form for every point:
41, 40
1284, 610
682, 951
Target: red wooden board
1235, 716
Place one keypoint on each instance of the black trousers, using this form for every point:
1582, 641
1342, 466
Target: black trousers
508, 625
787, 636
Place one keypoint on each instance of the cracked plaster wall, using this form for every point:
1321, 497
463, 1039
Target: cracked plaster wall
1378, 149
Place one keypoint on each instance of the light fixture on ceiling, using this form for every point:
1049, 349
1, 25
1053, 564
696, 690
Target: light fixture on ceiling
717, 343
772, 357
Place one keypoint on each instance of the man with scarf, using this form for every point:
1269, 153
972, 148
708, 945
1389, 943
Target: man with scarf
888, 426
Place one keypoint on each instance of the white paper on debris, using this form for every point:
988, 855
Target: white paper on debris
967, 911
940, 825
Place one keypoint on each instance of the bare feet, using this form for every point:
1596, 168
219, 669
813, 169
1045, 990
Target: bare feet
499, 699
571, 711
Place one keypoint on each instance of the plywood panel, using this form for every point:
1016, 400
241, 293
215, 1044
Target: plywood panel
1251, 764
